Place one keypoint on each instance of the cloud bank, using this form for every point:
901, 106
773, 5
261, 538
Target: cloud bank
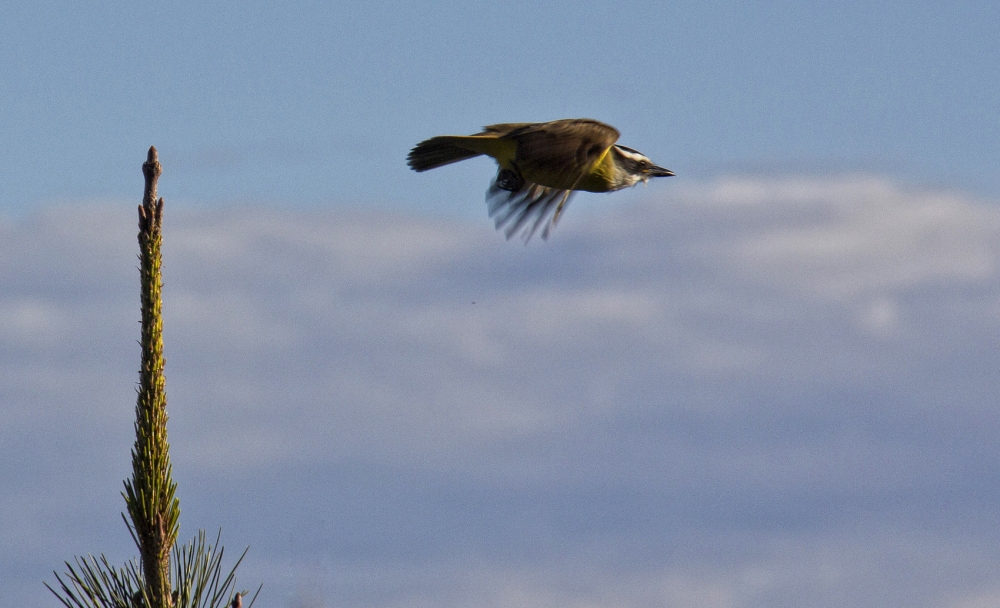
755, 392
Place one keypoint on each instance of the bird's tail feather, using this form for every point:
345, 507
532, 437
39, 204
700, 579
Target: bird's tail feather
437, 152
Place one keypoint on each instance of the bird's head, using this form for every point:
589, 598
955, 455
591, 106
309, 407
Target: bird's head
634, 167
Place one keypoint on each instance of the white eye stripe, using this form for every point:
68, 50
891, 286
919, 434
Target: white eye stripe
631, 154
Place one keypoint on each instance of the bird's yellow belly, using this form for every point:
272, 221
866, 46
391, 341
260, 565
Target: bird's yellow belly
595, 181
599, 178
591, 182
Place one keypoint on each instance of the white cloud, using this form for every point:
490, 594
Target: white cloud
870, 570
791, 359
869, 237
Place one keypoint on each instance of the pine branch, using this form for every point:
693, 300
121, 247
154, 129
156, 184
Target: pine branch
153, 508
149, 495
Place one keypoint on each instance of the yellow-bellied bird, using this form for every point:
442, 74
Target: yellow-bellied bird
541, 164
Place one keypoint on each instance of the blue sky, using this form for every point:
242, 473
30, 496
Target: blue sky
316, 104
769, 381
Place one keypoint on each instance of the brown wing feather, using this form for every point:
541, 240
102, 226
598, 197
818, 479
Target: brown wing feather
505, 128
561, 150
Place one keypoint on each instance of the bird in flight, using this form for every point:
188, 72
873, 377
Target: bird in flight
541, 165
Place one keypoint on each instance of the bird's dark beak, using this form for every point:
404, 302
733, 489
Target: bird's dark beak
655, 171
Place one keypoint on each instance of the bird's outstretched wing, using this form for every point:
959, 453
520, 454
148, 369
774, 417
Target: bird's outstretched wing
526, 209
557, 154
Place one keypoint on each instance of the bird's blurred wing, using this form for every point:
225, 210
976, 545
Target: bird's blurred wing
527, 209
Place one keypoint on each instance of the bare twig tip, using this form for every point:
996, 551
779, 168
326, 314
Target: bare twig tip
151, 169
